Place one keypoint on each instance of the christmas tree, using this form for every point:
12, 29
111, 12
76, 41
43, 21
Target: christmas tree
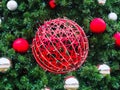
23, 22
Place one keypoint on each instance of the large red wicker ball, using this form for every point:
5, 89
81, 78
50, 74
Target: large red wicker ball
97, 25
60, 46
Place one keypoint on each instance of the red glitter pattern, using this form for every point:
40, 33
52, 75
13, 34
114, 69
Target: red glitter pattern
60, 46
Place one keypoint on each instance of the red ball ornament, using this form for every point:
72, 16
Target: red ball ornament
20, 45
52, 4
117, 39
97, 25
60, 46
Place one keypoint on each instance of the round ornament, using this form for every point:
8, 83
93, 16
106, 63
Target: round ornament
60, 46
104, 69
101, 2
52, 4
0, 21
20, 45
5, 64
71, 83
112, 16
116, 36
12, 5
46, 88
97, 25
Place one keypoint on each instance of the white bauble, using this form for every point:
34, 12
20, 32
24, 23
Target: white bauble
12, 5
102, 2
0, 21
71, 83
47, 88
104, 69
112, 16
5, 64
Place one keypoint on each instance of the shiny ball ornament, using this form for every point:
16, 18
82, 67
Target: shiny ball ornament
60, 46
12, 5
0, 21
104, 69
5, 64
52, 4
102, 2
71, 83
20, 45
112, 16
97, 25
46, 88
116, 36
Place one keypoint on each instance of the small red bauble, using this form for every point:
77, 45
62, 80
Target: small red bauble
97, 25
117, 39
20, 45
52, 4
60, 46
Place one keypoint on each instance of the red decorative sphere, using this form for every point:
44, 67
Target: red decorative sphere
97, 25
117, 39
20, 45
60, 46
52, 4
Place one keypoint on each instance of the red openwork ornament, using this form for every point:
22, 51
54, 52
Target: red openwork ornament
60, 46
